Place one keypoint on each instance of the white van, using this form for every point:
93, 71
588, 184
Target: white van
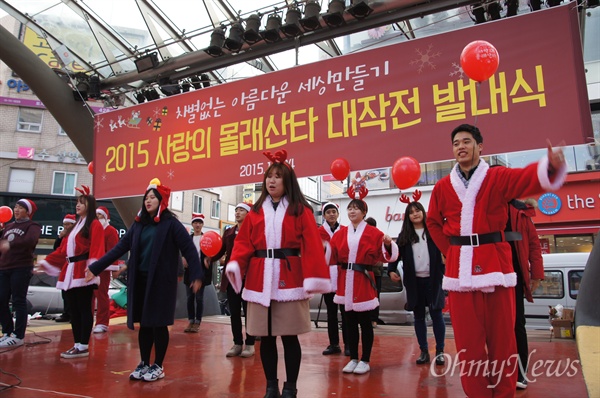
562, 275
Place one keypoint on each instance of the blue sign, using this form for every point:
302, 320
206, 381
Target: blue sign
18, 84
549, 204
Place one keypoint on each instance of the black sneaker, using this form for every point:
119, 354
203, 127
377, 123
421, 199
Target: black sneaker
439, 358
423, 358
332, 349
521, 384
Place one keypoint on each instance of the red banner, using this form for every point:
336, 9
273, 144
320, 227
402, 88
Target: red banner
370, 107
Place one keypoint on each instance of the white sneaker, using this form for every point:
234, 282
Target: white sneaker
139, 372
362, 368
100, 329
154, 373
349, 368
11, 341
4, 337
247, 352
234, 351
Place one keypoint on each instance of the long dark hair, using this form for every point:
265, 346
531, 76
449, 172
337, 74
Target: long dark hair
295, 197
90, 202
408, 235
145, 217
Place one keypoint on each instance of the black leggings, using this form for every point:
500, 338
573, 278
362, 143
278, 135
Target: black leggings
157, 336
79, 300
353, 320
292, 354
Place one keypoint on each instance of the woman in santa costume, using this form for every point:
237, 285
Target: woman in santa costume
467, 216
280, 252
356, 249
111, 238
83, 246
154, 241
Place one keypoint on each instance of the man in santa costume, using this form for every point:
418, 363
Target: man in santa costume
111, 238
467, 216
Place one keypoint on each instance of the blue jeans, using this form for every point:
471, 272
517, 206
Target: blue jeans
439, 328
14, 282
195, 304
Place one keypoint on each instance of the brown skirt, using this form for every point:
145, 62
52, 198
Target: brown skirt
288, 318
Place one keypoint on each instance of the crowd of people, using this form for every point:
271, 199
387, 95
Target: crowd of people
476, 242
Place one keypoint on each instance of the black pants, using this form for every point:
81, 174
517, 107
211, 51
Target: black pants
520, 332
236, 303
353, 320
79, 300
332, 320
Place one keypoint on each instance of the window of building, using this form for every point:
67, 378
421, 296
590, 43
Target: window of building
21, 180
215, 209
30, 120
197, 204
61, 131
64, 183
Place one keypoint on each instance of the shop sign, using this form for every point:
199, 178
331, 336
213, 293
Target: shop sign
18, 84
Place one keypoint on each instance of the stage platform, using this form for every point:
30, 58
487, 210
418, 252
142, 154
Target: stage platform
196, 366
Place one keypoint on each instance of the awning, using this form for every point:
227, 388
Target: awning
567, 229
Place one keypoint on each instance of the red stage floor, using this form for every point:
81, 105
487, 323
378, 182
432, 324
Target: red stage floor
196, 366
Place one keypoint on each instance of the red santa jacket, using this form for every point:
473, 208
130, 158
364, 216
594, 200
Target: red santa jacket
361, 246
111, 238
71, 275
529, 250
270, 278
326, 234
456, 210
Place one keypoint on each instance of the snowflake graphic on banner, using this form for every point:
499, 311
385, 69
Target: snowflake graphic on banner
457, 70
156, 113
171, 174
425, 58
98, 123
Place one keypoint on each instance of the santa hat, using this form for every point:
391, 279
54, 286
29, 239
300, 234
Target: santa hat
69, 218
244, 205
163, 193
29, 205
330, 205
198, 217
104, 211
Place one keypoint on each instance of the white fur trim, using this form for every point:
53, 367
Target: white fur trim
317, 285
100, 211
49, 269
349, 291
71, 237
542, 173
339, 299
234, 275
327, 252
468, 199
365, 305
484, 283
392, 257
333, 277
112, 268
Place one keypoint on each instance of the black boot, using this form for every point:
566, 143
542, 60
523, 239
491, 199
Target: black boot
423, 358
289, 390
440, 360
272, 389
332, 349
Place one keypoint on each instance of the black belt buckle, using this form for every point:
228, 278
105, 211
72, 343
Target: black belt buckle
474, 239
350, 266
271, 253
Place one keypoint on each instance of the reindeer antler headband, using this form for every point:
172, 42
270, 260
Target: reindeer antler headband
84, 190
278, 157
405, 199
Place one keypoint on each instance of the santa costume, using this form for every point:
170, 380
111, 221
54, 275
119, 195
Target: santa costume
466, 219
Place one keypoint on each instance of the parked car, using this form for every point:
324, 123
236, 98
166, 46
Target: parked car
45, 298
391, 309
562, 275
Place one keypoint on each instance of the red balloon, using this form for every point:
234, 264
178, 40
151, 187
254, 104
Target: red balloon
340, 168
211, 243
479, 60
6, 213
406, 172
91, 167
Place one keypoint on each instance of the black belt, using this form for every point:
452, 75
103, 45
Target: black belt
363, 269
80, 257
482, 239
282, 254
